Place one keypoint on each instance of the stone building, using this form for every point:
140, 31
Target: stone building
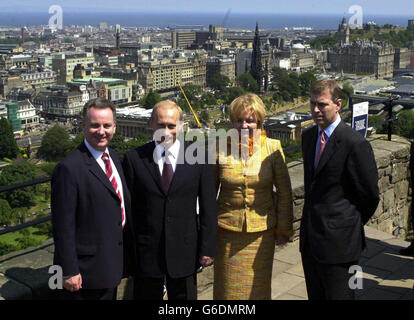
224, 65
368, 57
402, 58
167, 73
182, 39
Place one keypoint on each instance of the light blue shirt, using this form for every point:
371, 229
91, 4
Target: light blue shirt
328, 132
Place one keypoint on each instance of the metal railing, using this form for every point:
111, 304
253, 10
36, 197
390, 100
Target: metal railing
20, 186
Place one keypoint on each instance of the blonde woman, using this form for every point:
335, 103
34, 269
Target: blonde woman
250, 222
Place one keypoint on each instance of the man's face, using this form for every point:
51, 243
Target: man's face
99, 128
166, 121
324, 110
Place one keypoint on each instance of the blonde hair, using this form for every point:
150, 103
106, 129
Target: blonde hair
249, 102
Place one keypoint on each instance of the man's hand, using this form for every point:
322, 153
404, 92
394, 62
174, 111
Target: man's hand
206, 261
72, 284
281, 239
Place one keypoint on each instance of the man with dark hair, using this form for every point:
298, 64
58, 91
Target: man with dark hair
172, 241
341, 195
91, 211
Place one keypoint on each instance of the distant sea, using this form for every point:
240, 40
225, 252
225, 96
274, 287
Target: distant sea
266, 21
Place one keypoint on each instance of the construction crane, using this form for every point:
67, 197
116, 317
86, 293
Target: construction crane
191, 108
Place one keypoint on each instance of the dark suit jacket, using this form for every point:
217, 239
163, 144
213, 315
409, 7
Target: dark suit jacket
340, 195
170, 236
86, 218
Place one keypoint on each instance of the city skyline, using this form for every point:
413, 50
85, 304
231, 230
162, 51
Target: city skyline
314, 7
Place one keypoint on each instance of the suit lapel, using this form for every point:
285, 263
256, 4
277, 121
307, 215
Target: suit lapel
310, 150
330, 149
152, 166
96, 170
120, 172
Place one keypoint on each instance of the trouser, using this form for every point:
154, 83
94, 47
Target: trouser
327, 281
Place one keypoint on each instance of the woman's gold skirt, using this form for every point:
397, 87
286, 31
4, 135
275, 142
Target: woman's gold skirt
243, 265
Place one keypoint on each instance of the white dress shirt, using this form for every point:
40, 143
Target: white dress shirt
171, 153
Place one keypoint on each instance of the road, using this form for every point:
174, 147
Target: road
35, 140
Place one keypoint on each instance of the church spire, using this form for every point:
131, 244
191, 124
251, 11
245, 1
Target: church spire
256, 64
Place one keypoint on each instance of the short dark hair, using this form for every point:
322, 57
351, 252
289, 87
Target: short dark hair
98, 103
319, 86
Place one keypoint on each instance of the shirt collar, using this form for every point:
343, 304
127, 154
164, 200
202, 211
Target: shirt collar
95, 153
330, 129
173, 150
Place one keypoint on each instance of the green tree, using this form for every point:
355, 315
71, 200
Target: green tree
324, 42
208, 100
6, 214
7, 247
278, 74
291, 86
8, 145
204, 116
404, 126
27, 240
232, 93
77, 140
306, 80
22, 172
247, 82
118, 143
347, 90
138, 140
218, 81
56, 144
20, 214
151, 99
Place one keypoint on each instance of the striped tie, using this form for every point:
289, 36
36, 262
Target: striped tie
111, 177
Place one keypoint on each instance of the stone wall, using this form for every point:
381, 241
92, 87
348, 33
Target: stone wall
392, 214
24, 274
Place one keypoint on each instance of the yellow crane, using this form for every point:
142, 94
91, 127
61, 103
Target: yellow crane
191, 108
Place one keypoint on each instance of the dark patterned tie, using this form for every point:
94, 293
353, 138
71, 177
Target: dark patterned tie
167, 173
111, 177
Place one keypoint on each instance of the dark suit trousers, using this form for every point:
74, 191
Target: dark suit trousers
89, 294
327, 281
177, 289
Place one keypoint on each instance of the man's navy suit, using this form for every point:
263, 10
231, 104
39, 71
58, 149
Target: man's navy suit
341, 195
86, 216
170, 235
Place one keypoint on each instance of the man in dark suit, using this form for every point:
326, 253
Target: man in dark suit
172, 241
90, 211
341, 194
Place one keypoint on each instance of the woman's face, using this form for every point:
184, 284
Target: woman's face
246, 120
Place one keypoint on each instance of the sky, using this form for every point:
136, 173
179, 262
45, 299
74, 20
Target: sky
316, 7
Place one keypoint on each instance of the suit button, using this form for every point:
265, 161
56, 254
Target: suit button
120, 243
168, 219
120, 223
